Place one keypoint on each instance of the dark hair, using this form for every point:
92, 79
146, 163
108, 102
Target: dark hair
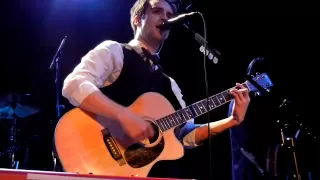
140, 6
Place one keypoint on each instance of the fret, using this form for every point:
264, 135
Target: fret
162, 128
163, 123
189, 114
171, 121
203, 109
196, 109
185, 114
226, 95
167, 122
221, 98
178, 117
210, 103
216, 101
176, 122
181, 115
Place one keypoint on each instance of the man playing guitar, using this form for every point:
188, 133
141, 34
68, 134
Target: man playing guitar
113, 75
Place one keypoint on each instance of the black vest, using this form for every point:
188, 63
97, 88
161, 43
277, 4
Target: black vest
137, 78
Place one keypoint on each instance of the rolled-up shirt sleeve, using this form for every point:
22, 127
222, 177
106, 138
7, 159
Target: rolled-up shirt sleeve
92, 72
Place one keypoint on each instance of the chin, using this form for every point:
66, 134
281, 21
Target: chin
158, 37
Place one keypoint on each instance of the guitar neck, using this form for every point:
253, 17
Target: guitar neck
195, 110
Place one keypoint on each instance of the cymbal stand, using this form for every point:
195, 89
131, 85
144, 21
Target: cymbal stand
12, 141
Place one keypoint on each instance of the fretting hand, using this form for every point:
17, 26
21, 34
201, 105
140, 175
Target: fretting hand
240, 106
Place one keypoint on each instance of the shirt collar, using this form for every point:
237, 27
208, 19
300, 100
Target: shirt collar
136, 45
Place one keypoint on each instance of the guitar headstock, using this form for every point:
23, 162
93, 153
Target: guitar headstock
259, 81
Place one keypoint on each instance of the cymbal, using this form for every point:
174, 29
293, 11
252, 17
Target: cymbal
15, 105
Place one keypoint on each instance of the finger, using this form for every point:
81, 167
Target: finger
245, 92
145, 133
235, 96
240, 86
243, 89
239, 94
141, 136
150, 132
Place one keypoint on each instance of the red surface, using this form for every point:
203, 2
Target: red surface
17, 174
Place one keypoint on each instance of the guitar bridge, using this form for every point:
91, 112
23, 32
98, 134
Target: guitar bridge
112, 147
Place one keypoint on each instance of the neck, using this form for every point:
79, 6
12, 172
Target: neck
151, 46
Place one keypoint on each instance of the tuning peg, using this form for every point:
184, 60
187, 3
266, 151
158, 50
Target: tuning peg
257, 93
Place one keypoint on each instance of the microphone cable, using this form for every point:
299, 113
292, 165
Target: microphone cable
206, 88
188, 8
207, 91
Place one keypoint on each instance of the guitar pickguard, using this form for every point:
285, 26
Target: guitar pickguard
138, 156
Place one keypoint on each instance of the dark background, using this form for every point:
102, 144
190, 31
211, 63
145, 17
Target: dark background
285, 35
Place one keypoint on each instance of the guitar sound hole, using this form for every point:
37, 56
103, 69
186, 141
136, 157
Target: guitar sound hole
140, 154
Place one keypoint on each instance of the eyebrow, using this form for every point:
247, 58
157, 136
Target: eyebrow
160, 8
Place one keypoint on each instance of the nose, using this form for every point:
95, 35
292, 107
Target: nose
164, 17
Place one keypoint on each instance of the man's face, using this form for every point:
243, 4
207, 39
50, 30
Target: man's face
157, 12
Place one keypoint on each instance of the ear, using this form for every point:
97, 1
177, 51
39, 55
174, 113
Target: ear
137, 21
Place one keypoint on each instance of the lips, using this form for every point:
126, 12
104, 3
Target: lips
158, 29
158, 25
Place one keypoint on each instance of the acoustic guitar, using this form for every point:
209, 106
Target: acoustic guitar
87, 143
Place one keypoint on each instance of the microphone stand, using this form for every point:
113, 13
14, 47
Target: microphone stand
55, 65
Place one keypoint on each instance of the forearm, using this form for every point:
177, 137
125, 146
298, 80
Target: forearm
201, 133
100, 104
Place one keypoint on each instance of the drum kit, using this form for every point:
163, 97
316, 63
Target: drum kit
17, 106
13, 107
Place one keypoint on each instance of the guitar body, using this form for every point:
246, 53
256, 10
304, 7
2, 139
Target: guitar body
87, 143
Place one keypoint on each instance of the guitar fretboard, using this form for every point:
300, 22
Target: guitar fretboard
194, 110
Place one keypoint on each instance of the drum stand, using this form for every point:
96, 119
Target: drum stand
288, 145
12, 140
15, 108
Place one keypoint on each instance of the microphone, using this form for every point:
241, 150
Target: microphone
176, 20
58, 52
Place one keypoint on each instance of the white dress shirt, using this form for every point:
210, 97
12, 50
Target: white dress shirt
100, 67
